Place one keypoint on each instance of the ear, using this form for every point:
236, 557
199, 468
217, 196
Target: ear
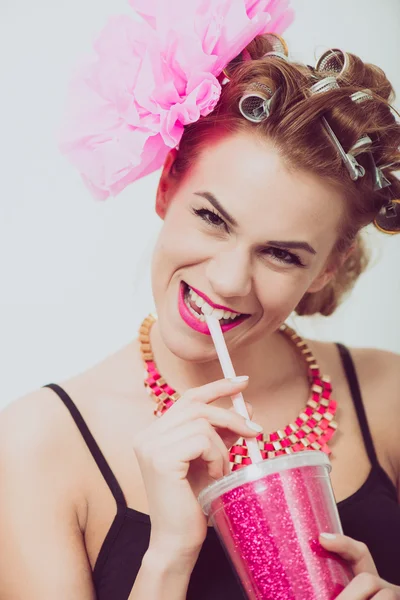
329, 272
165, 185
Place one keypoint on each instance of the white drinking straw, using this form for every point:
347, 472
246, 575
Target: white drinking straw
229, 371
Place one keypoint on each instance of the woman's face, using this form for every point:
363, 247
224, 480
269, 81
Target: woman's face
246, 234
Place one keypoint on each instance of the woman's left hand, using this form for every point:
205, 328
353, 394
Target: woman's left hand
366, 585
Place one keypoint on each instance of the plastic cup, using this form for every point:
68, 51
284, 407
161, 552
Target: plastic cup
268, 517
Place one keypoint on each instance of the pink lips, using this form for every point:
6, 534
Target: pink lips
193, 322
207, 299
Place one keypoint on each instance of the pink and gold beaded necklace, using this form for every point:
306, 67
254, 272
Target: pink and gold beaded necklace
312, 429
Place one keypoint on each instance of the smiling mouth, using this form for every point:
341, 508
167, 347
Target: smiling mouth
199, 308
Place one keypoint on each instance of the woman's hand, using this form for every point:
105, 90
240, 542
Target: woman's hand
179, 454
366, 585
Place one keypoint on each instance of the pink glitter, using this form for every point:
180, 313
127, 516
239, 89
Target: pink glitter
270, 529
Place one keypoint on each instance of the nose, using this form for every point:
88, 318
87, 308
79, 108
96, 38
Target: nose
230, 273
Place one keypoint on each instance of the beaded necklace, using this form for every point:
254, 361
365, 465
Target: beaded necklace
312, 429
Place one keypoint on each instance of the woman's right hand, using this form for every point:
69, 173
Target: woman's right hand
182, 452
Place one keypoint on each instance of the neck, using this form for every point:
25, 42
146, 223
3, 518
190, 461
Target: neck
269, 361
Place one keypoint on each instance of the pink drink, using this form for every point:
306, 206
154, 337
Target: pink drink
269, 516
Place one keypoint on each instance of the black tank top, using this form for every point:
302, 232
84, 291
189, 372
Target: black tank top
371, 515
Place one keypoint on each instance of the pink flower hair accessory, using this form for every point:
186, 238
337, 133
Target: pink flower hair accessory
128, 107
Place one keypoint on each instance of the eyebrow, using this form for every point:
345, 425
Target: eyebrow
212, 200
229, 219
293, 246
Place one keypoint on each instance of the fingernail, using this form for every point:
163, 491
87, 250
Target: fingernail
254, 426
239, 379
328, 536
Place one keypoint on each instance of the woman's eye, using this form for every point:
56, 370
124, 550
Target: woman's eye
285, 257
210, 217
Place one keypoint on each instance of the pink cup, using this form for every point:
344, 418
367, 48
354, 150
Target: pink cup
268, 517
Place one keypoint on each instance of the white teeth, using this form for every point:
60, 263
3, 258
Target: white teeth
206, 309
199, 301
218, 313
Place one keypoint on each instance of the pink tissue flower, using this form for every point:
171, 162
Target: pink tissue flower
128, 107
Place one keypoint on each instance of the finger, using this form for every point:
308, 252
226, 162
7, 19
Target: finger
230, 438
213, 391
225, 420
226, 469
194, 428
364, 587
177, 456
229, 424
387, 595
204, 447
215, 459
220, 444
249, 408
201, 427
356, 553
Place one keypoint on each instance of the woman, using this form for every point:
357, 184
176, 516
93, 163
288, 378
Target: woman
262, 209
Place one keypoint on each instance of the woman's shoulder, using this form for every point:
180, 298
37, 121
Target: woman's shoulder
378, 368
35, 422
29, 423
38, 408
37, 428
374, 367
37, 461
378, 375
377, 372
38, 423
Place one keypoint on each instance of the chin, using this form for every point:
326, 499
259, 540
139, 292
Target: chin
189, 346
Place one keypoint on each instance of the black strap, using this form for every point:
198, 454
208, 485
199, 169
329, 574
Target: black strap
91, 444
354, 385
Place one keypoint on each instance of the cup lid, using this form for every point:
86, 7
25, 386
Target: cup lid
314, 458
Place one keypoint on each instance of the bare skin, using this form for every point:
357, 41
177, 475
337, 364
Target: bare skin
118, 412
56, 509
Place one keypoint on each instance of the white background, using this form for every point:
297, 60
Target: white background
74, 272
